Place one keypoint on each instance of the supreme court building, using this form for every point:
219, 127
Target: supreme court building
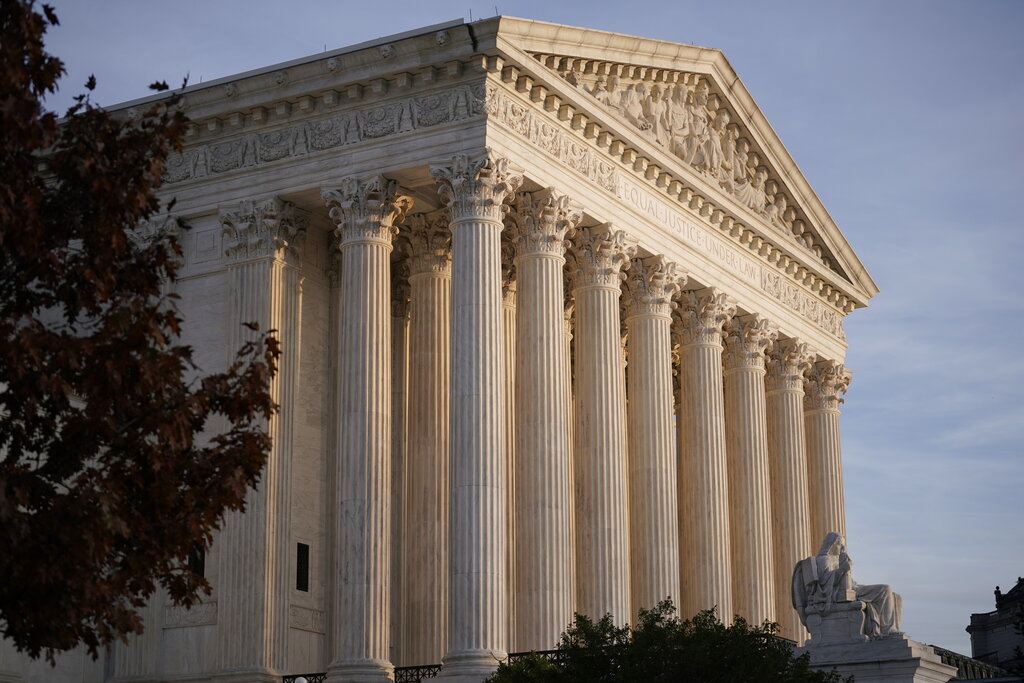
562, 331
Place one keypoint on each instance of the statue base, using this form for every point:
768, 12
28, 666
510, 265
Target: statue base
892, 659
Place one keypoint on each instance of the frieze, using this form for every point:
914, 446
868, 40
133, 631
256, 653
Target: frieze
345, 128
201, 614
523, 119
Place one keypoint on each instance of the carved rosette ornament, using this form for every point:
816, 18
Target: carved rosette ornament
365, 210
477, 187
701, 316
542, 221
825, 383
428, 242
600, 256
789, 361
651, 286
747, 340
264, 229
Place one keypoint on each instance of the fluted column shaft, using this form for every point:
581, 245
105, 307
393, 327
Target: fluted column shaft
787, 455
426, 565
508, 308
544, 560
474, 189
602, 546
746, 428
263, 244
653, 513
705, 560
825, 382
399, 459
364, 212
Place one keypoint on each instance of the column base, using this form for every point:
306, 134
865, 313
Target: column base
470, 666
360, 671
893, 659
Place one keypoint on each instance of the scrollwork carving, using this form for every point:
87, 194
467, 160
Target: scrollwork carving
825, 384
747, 340
264, 229
600, 256
701, 316
542, 221
789, 361
651, 286
366, 210
477, 187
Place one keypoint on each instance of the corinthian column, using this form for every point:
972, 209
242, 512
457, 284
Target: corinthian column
508, 313
825, 382
789, 361
262, 247
541, 222
426, 563
365, 212
474, 190
746, 441
653, 522
703, 480
602, 542
399, 449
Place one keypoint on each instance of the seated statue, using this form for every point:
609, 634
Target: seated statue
824, 590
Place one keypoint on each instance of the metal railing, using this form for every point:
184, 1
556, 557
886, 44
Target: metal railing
968, 668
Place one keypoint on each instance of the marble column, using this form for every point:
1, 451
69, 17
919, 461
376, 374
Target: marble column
703, 489
399, 450
263, 244
653, 514
426, 563
746, 440
540, 223
474, 190
602, 525
365, 212
508, 313
825, 382
789, 360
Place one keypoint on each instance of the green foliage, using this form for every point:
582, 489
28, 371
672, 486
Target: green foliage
661, 648
105, 483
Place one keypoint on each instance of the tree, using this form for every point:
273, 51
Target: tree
116, 455
661, 648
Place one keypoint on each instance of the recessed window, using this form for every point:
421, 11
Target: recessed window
197, 560
302, 567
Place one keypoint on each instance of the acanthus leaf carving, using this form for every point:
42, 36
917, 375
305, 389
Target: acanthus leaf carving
789, 361
428, 242
600, 256
476, 187
542, 221
366, 210
825, 384
651, 286
271, 228
702, 315
747, 340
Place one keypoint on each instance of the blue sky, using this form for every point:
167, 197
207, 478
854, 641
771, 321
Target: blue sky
906, 118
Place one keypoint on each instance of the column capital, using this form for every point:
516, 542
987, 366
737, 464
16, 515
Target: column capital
476, 187
747, 340
541, 222
651, 286
825, 383
701, 316
789, 361
365, 210
267, 228
428, 243
599, 257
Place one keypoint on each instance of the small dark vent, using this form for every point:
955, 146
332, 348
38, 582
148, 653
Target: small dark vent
302, 567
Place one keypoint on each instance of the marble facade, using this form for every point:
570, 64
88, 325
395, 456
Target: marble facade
562, 332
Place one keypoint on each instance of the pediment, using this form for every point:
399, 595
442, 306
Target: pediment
686, 102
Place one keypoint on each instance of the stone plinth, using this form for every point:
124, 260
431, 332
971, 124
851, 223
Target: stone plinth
894, 659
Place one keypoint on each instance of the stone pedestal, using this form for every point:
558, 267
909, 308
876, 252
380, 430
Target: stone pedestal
894, 659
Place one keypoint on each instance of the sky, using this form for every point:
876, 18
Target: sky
906, 118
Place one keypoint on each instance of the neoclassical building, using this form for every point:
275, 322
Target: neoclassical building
562, 332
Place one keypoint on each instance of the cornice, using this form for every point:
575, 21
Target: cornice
587, 146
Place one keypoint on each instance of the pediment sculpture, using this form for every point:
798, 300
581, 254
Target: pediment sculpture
833, 607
